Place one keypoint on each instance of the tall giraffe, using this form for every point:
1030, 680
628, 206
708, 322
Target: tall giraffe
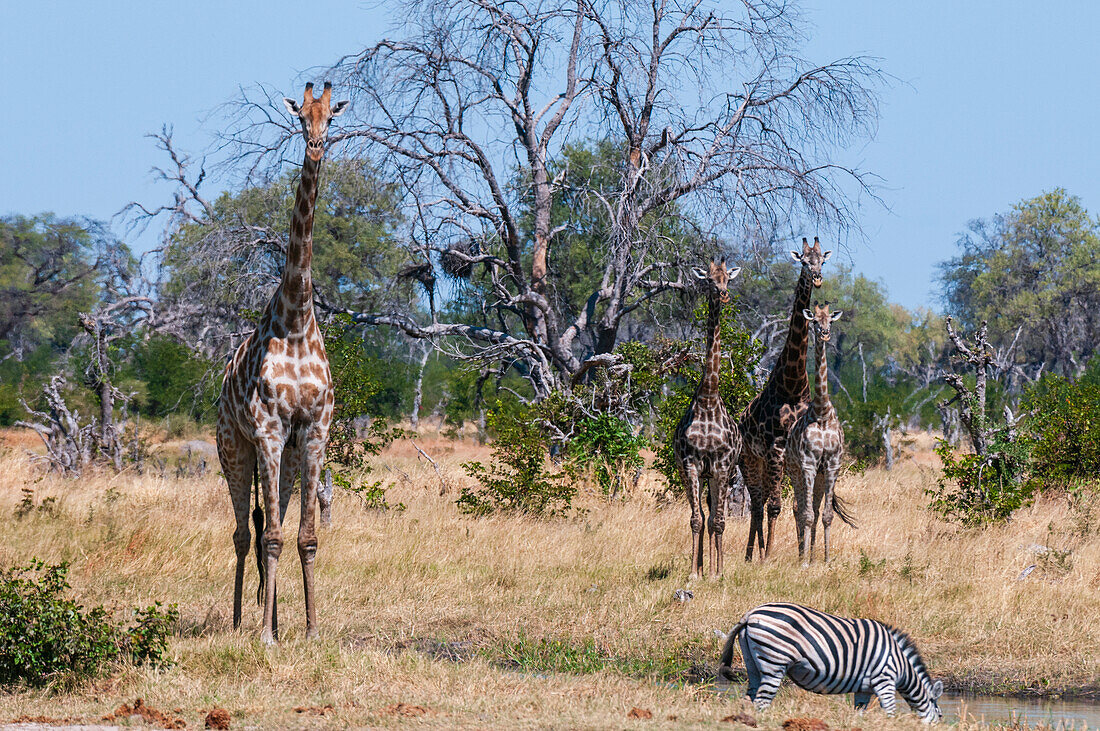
815, 446
767, 419
276, 399
707, 443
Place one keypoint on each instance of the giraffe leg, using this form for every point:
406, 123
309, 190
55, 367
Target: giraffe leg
290, 467
238, 459
313, 457
817, 514
270, 456
803, 485
753, 475
716, 523
828, 480
773, 478
690, 471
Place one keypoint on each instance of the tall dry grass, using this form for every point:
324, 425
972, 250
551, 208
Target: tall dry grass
400, 592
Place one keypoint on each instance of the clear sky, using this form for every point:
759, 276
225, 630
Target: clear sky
994, 101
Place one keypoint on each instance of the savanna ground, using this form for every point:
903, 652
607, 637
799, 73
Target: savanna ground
429, 617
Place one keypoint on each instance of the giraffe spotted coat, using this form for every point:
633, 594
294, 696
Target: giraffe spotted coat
277, 399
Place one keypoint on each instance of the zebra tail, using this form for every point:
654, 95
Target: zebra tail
844, 511
724, 669
258, 524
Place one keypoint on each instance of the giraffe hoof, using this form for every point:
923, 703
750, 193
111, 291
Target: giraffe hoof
268, 639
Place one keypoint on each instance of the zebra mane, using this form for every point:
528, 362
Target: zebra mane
909, 649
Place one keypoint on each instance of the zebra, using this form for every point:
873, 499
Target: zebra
824, 653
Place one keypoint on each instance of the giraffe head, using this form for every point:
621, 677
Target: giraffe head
821, 319
717, 279
315, 115
811, 258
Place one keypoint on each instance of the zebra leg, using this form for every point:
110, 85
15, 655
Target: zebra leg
887, 696
764, 676
752, 668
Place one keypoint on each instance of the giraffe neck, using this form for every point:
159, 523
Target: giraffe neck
822, 404
791, 366
708, 386
296, 289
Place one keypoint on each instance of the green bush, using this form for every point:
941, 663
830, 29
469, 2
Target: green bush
520, 478
46, 638
606, 447
1063, 427
355, 385
974, 490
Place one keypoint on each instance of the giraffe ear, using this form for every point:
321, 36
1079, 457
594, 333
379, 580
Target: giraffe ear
836, 315
339, 108
733, 273
937, 689
699, 273
796, 256
808, 315
826, 255
292, 106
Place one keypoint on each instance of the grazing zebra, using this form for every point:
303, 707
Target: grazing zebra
827, 654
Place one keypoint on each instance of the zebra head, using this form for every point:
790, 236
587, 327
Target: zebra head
917, 688
927, 707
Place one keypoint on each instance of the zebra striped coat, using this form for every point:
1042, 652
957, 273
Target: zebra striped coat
823, 653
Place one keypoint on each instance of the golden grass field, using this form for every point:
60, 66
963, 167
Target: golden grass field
432, 618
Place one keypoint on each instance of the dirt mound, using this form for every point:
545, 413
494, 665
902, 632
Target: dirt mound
405, 710
639, 713
740, 718
805, 724
218, 718
146, 713
315, 710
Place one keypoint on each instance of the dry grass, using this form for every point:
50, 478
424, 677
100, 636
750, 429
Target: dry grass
400, 592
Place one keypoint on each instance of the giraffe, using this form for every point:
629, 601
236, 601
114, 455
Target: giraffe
707, 443
814, 448
276, 400
766, 420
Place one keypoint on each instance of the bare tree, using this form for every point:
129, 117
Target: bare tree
972, 408
715, 122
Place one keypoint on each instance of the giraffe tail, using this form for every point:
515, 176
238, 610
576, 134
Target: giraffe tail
844, 511
258, 524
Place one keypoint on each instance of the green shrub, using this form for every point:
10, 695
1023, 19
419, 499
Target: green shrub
355, 386
1063, 427
974, 490
519, 479
606, 447
46, 638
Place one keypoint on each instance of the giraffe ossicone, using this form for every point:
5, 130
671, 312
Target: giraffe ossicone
277, 399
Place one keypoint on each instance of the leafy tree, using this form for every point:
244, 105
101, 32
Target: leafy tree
229, 257
175, 379
51, 269
1034, 271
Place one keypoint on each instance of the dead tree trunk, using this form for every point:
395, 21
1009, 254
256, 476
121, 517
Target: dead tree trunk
884, 425
972, 401
418, 390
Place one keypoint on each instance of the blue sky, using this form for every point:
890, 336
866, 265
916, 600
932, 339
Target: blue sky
994, 102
